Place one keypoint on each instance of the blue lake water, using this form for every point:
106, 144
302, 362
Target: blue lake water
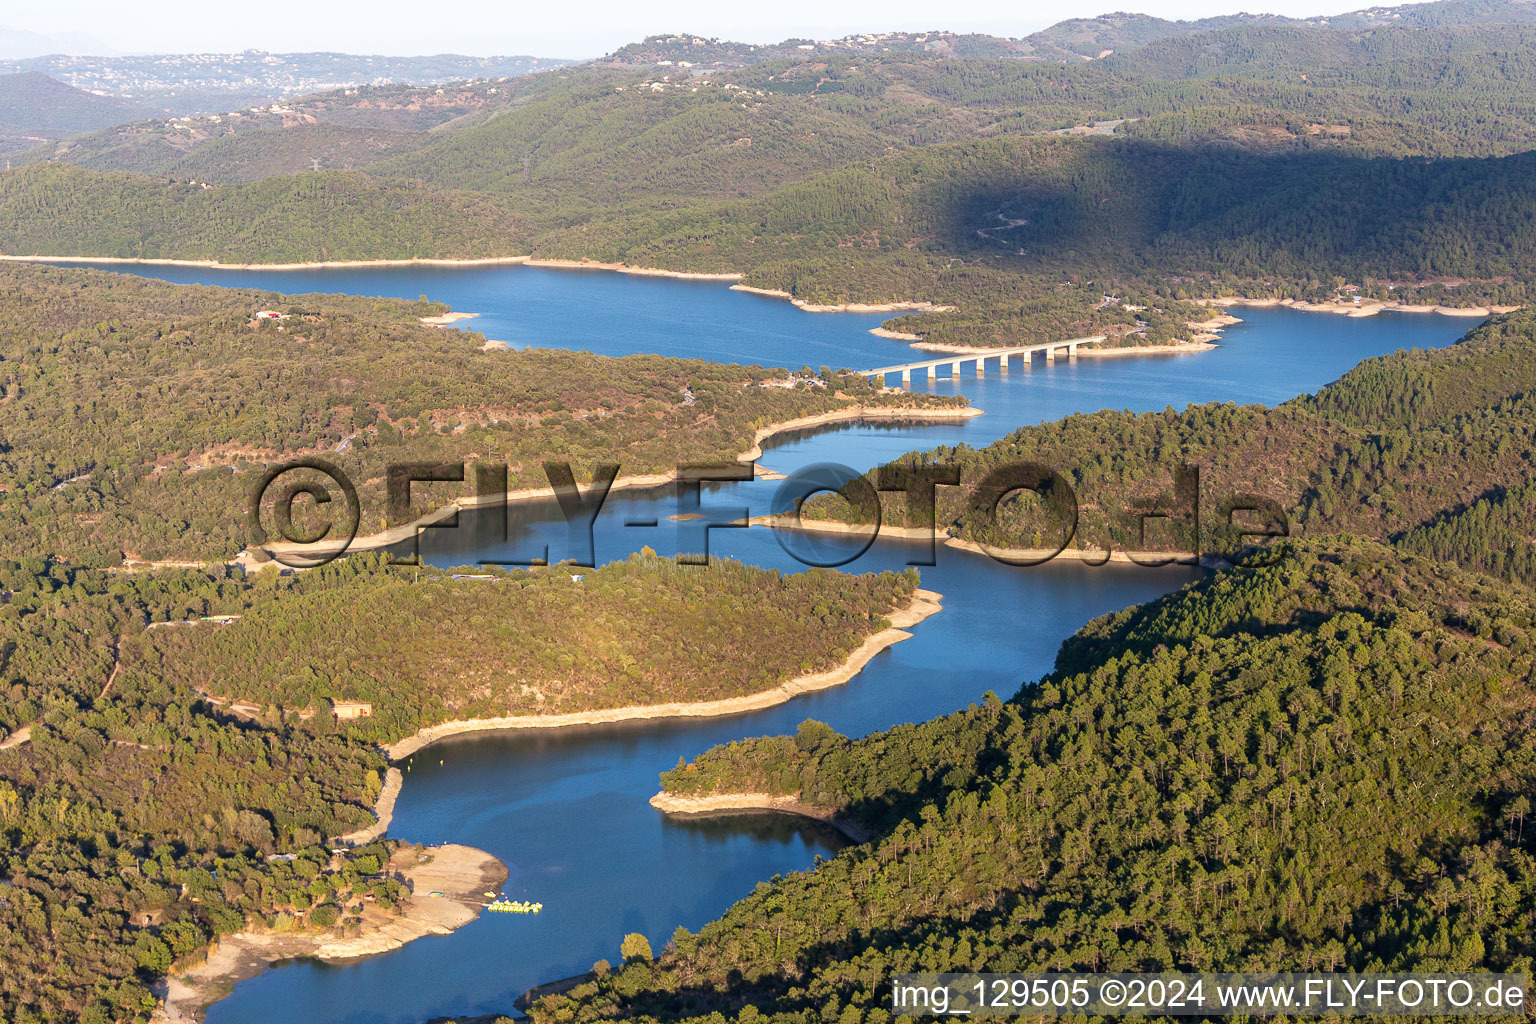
567, 811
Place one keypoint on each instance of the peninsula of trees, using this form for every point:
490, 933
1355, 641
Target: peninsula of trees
432, 646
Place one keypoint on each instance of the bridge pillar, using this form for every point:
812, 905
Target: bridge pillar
1050, 355
981, 367
1072, 353
906, 376
1027, 360
1002, 364
954, 370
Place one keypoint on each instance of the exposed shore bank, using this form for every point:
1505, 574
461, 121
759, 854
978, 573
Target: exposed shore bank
1366, 307
488, 261
844, 307
924, 603
1200, 343
460, 873
729, 803
639, 481
945, 348
447, 318
625, 268
155, 261
1142, 558
1091, 558
383, 811
1369, 307
495, 261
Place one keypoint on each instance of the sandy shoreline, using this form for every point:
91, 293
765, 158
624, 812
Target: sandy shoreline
726, 803
153, 261
1369, 307
844, 307
1364, 308
498, 261
487, 261
461, 873
383, 810
1091, 558
835, 526
625, 268
883, 332
405, 531
981, 350
447, 318
1144, 558
924, 603
1199, 343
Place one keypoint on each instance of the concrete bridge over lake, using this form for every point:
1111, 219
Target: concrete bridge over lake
1050, 350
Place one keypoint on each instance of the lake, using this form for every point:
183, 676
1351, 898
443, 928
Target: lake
567, 811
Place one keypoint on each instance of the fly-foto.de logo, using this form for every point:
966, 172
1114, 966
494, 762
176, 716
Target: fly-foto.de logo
306, 512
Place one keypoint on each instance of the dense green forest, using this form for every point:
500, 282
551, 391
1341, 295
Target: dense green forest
1428, 449
141, 818
137, 822
1318, 765
424, 647
136, 416
1244, 156
326, 216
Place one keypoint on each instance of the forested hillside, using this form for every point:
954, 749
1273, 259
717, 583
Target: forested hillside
650, 130
34, 108
344, 130
1072, 41
296, 219
428, 648
1430, 450
1320, 765
136, 416
122, 798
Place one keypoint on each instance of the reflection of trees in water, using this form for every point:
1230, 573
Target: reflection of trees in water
881, 426
759, 827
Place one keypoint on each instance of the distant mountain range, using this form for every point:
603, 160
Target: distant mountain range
199, 83
18, 43
1077, 39
194, 84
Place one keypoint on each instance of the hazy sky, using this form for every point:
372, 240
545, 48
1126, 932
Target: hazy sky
582, 29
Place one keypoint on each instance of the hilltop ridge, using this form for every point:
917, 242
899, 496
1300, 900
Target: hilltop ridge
1071, 40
